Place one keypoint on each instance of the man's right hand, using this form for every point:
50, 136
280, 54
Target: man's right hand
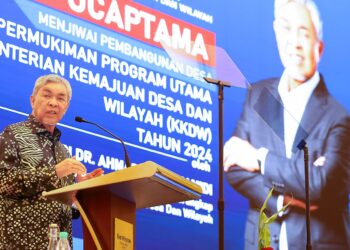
298, 203
241, 153
70, 166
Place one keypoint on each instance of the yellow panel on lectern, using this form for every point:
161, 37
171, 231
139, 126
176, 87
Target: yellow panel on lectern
123, 231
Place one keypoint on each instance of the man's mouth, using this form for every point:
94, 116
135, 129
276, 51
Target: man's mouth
296, 58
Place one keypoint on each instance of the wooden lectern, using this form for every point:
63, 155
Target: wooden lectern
115, 197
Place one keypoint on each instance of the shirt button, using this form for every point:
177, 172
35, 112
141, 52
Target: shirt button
275, 238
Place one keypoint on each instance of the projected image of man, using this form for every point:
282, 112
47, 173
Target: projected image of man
278, 114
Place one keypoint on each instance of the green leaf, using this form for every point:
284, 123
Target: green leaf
264, 221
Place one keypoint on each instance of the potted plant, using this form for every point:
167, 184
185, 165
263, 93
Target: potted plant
264, 240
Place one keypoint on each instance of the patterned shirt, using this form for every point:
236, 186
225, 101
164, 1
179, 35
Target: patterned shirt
28, 155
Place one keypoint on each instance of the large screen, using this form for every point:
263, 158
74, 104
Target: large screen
116, 56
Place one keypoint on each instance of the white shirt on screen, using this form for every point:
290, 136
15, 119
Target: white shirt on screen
294, 103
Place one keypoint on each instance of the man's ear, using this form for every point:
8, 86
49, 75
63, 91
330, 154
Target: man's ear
275, 29
32, 99
319, 50
67, 108
274, 26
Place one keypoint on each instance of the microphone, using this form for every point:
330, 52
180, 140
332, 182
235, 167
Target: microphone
126, 156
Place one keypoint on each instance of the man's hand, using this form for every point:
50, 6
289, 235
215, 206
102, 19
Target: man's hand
241, 153
69, 166
298, 203
320, 161
95, 173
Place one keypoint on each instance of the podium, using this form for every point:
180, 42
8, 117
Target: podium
108, 203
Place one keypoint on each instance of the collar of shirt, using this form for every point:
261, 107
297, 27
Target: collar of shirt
38, 128
300, 94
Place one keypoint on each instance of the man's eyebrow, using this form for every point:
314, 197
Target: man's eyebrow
282, 20
303, 28
49, 91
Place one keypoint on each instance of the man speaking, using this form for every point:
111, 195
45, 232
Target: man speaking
33, 160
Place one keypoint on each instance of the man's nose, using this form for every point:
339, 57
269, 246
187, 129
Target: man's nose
294, 38
53, 102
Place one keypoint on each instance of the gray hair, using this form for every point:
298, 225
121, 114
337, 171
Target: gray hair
45, 79
311, 7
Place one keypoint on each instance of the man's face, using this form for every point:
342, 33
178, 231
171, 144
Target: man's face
50, 104
297, 41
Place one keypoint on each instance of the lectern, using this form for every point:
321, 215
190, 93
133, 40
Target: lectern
108, 203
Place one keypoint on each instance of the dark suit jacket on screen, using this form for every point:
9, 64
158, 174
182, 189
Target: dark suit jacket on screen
325, 126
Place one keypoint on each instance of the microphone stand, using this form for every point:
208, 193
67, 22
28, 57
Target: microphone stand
126, 156
221, 202
302, 146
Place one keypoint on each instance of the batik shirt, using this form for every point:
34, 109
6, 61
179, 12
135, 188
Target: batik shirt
28, 155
